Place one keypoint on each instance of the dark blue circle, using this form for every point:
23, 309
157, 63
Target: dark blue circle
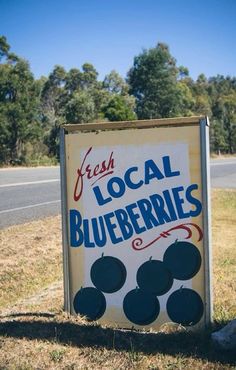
90, 302
154, 277
185, 307
108, 274
140, 307
183, 259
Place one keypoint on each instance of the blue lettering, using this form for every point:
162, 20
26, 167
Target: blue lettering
101, 201
193, 200
87, 242
146, 210
99, 237
125, 226
128, 181
152, 171
167, 168
159, 207
134, 217
111, 226
179, 202
76, 234
169, 204
121, 187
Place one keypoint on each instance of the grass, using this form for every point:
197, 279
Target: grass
30, 258
224, 254
35, 333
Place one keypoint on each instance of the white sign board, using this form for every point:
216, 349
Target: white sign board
135, 222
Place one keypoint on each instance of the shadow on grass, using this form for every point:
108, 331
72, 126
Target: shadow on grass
180, 343
22, 314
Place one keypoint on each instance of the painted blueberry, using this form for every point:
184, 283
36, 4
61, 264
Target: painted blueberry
90, 302
154, 277
108, 274
183, 259
140, 307
185, 307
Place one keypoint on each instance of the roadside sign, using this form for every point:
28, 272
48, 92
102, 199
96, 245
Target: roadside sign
136, 222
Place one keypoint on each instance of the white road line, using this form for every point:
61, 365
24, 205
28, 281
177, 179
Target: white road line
222, 164
29, 183
31, 206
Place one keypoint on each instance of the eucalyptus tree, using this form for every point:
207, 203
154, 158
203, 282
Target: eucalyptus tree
19, 106
153, 82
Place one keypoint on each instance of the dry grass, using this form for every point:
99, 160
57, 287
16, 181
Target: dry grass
30, 258
224, 254
36, 334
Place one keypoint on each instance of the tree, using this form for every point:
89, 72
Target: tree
120, 105
52, 110
115, 84
77, 85
153, 82
183, 72
118, 110
73, 81
186, 101
221, 94
80, 108
229, 119
51, 94
19, 102
89, 76
218, 137
4, 47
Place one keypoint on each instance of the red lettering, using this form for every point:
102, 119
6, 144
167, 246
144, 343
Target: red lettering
88, 171
104, 168
111, 162
96, 169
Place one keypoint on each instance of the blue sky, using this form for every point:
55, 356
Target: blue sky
201, 34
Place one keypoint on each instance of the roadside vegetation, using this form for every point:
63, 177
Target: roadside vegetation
35, 333
32, 110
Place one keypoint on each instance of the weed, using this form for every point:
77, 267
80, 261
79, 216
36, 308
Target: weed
134, 356
56, 355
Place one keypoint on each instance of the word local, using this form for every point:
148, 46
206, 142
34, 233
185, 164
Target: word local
116, 186
136, 218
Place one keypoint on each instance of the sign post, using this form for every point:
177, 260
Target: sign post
136, 222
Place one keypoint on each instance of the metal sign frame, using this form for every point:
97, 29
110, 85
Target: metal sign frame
203, 124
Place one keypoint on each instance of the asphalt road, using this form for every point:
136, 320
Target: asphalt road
28, 194
223, 173
32, 193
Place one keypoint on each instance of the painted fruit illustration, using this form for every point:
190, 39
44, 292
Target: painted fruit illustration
183, 259
185, 307
154, 277
140, 307
90, 302
108, 274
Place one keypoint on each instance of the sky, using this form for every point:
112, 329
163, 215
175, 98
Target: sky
201, 34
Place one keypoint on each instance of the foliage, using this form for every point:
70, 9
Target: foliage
80, 108
32, 111
120, 106
153, 82
19, 103
118, 110
218, 137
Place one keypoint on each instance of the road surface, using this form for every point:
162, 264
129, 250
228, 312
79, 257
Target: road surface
28, 194
223, 173
32, 193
